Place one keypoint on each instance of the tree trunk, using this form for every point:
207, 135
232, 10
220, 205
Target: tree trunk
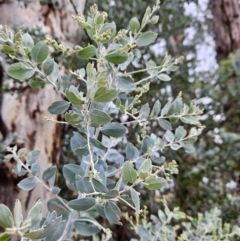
226, 20
26, 115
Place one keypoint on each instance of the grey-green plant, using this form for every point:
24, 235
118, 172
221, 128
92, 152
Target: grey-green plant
103, 91
205, 227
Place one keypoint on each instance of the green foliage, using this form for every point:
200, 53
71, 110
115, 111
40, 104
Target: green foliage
40, 52
6, 220
206, 173
15, 223
206, 227
129, 173
20, 71
111, 90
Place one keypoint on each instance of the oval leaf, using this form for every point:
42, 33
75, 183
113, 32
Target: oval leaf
48, 66
5, 237
82, 204
86, 226
71, 170
58, 207
20, 71
7, 49
125, 83
84, 185
129, 173
34, 234
39, 52
180, 133
169, 136
88, 52
104, 95
22, 152
97, 143
112, 212
111, 194
55, 73
49, 231
59, 107
99, 187
17, 212
28, 184
99, 117
166, 125
73, 98
136, 200
77, 140
189, 148
49, 173
34, 214
6, 217
146, 166
156, 109
36, 83
146, 38
147, 144
114, 129
134, 24
154, 19
131, 152
27, 42
116, 57
100, 210
155, 183
164, 77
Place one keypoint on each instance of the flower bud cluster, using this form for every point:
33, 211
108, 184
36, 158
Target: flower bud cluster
18, 43
105, 15
128, 47
60, 47
171, 168
142, 89
179, 60
100, 64
143, 130
78, 48
5, 33
105, 36
93, 10
79, 19
121, 33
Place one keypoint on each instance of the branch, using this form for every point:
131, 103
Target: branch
74, 7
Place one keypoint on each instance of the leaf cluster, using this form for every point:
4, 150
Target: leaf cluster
106, 90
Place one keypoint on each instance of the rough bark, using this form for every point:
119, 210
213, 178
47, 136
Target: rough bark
26, 115
226, 20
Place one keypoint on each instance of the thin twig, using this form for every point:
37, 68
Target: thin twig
74, 6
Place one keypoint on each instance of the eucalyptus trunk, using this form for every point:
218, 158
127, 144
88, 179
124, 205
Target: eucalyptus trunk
226, 20
25, 114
